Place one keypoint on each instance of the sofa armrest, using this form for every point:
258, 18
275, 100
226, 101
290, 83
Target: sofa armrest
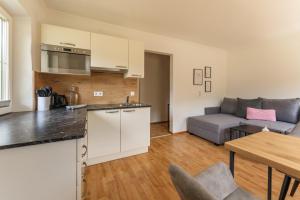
212, 110
296, 130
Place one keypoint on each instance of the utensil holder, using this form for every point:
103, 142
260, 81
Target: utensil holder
44, 103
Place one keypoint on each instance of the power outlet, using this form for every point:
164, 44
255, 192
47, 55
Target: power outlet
98, 93
132, 93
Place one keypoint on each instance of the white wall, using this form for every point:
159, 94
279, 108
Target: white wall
37, 11
155, 86
22, 85
269, 69
25, 50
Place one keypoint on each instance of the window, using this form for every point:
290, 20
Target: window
4, 62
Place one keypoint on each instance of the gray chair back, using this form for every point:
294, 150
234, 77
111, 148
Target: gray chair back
215, 183
187, 187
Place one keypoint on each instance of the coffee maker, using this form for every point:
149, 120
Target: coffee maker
58, 101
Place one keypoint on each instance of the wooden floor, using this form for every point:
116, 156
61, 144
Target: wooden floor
146, 177
159, 129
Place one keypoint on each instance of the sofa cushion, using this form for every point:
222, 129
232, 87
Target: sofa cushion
242, 105
261, 114
281, 127
216, 122
296, 130
229, 106
212, 127
287, 110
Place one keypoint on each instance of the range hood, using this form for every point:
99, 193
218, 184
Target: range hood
116, 69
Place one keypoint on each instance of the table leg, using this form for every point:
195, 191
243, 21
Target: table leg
231, 159
285, 187
269, 183
295, 187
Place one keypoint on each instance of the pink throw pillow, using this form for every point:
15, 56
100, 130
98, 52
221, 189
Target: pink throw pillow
260, 114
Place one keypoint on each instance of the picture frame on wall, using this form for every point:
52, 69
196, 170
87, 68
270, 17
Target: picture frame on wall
207, 86
207, 72
197, 76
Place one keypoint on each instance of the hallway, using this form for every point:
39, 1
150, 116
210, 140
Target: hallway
159, 129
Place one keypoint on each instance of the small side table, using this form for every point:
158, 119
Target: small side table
243, 130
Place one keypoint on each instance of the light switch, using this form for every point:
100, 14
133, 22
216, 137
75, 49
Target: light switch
132, 93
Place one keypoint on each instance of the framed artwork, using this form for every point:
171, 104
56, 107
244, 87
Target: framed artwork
207, 86
197, 76
207, 72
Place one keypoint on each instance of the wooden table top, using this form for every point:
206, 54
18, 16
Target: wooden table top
278, 151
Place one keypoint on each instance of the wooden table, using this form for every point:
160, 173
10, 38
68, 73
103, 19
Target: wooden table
278, 151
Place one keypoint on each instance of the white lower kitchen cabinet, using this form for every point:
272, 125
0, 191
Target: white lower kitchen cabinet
114, 134
103, 133
44, 171
135, 128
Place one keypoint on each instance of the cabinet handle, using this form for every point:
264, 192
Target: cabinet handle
116, 111
129, 111
67, 43
85, 150
122, 67
136, 75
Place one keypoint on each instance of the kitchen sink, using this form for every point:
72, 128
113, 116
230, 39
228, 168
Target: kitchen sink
130, 104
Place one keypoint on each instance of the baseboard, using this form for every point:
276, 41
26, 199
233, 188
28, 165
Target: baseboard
97, 160
180, 132
159, 122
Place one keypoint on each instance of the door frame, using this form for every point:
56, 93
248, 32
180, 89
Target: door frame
171, 83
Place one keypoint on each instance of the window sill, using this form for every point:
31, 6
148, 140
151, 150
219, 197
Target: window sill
5, 103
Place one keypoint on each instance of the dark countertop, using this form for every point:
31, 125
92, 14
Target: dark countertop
30, 128
115, 106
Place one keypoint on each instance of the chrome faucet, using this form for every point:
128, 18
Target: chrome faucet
127, 100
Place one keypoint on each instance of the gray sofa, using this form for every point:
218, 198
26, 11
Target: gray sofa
217, 121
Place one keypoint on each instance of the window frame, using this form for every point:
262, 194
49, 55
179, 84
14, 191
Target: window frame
5, 105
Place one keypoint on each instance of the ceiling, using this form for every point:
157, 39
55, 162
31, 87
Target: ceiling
13, 7
221, 23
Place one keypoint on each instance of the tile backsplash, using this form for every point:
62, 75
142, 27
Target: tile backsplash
115, 88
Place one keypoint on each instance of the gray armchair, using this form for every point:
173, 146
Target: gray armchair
215, 183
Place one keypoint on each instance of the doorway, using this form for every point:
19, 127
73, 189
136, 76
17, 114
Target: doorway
155, 90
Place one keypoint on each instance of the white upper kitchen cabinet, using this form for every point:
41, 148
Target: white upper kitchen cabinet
103, 133
135, 128
108, 52
62, 36
136, 59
